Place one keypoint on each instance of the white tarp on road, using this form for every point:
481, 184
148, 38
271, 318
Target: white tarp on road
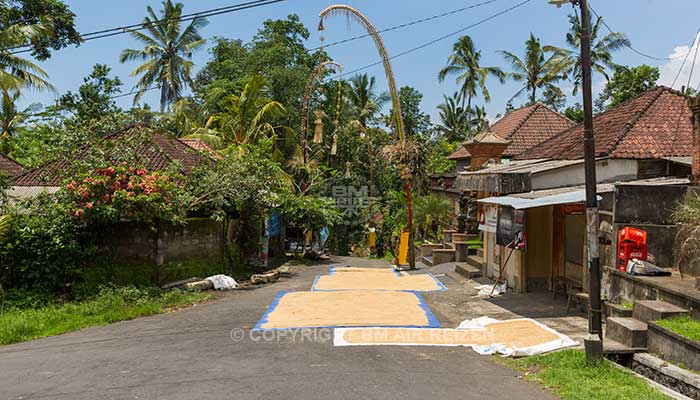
516, 337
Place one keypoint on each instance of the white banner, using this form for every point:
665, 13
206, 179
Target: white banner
488, 218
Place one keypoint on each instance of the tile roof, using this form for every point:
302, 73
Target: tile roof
653, 125
528, 126
460, 154
199, 145
10, 167
524, 128
488, 137
158, 153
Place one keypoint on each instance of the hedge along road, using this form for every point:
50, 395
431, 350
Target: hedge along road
210, 352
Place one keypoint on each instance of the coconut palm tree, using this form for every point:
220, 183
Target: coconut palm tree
12, 118
538, 69
455, 123
245, 116
478, 122
364, 98
601, 49
167, 53
471, 76
17, 73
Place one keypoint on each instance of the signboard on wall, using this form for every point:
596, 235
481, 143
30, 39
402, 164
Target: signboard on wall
574, 208
511, 227
488, 218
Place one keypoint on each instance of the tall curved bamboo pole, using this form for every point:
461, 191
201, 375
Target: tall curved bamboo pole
350, 12
397, 120
316, 74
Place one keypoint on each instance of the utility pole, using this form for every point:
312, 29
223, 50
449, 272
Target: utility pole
594, 342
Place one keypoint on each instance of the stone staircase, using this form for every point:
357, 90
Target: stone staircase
474, 265
455, 247
629, 334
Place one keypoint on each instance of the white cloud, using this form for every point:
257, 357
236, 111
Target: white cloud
670, 69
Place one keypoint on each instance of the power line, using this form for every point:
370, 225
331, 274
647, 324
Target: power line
678, 74
407, 24
404, 25
104, 33
692, 67
641, 53
433, 41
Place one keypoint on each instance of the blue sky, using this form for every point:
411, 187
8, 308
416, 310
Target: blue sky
659, 27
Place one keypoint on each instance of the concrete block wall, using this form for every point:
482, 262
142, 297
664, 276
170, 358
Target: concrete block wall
200, 239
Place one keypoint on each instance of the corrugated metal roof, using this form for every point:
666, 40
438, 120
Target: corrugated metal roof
688, 161
524, 166
18, 193
570, 194
520, 203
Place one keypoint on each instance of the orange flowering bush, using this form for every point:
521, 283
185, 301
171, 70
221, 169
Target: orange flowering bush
124, 192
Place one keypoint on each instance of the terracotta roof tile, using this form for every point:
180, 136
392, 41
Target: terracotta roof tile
460, 154
10, 167
199, 145
524, 128
158, 153
654, 124
527, 126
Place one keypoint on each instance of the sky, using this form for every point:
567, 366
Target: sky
661, 28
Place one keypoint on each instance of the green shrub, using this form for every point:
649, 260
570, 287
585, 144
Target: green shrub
45, 248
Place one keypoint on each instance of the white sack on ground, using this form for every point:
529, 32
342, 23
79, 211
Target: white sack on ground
223, 282
488, 290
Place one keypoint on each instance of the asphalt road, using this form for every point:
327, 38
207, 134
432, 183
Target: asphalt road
208, 352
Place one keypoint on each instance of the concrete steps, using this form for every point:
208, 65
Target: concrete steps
480, 252
654, 310
442, 256
612, 347
617, 310
629, 332
468, 271
428, 260
475, 262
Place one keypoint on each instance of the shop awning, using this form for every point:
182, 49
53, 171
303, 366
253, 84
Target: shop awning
521, 202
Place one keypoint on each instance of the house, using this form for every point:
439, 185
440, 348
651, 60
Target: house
10, 167
201, 146
518, 131
540, 195
523, 128
156, 152
140, 254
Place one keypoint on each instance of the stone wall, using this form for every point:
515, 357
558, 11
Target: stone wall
668, 375
649, 207
141, 256
198, 239
619, 287
673, 347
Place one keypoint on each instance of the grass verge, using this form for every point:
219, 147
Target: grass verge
683, 325
109, 305
566, 374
